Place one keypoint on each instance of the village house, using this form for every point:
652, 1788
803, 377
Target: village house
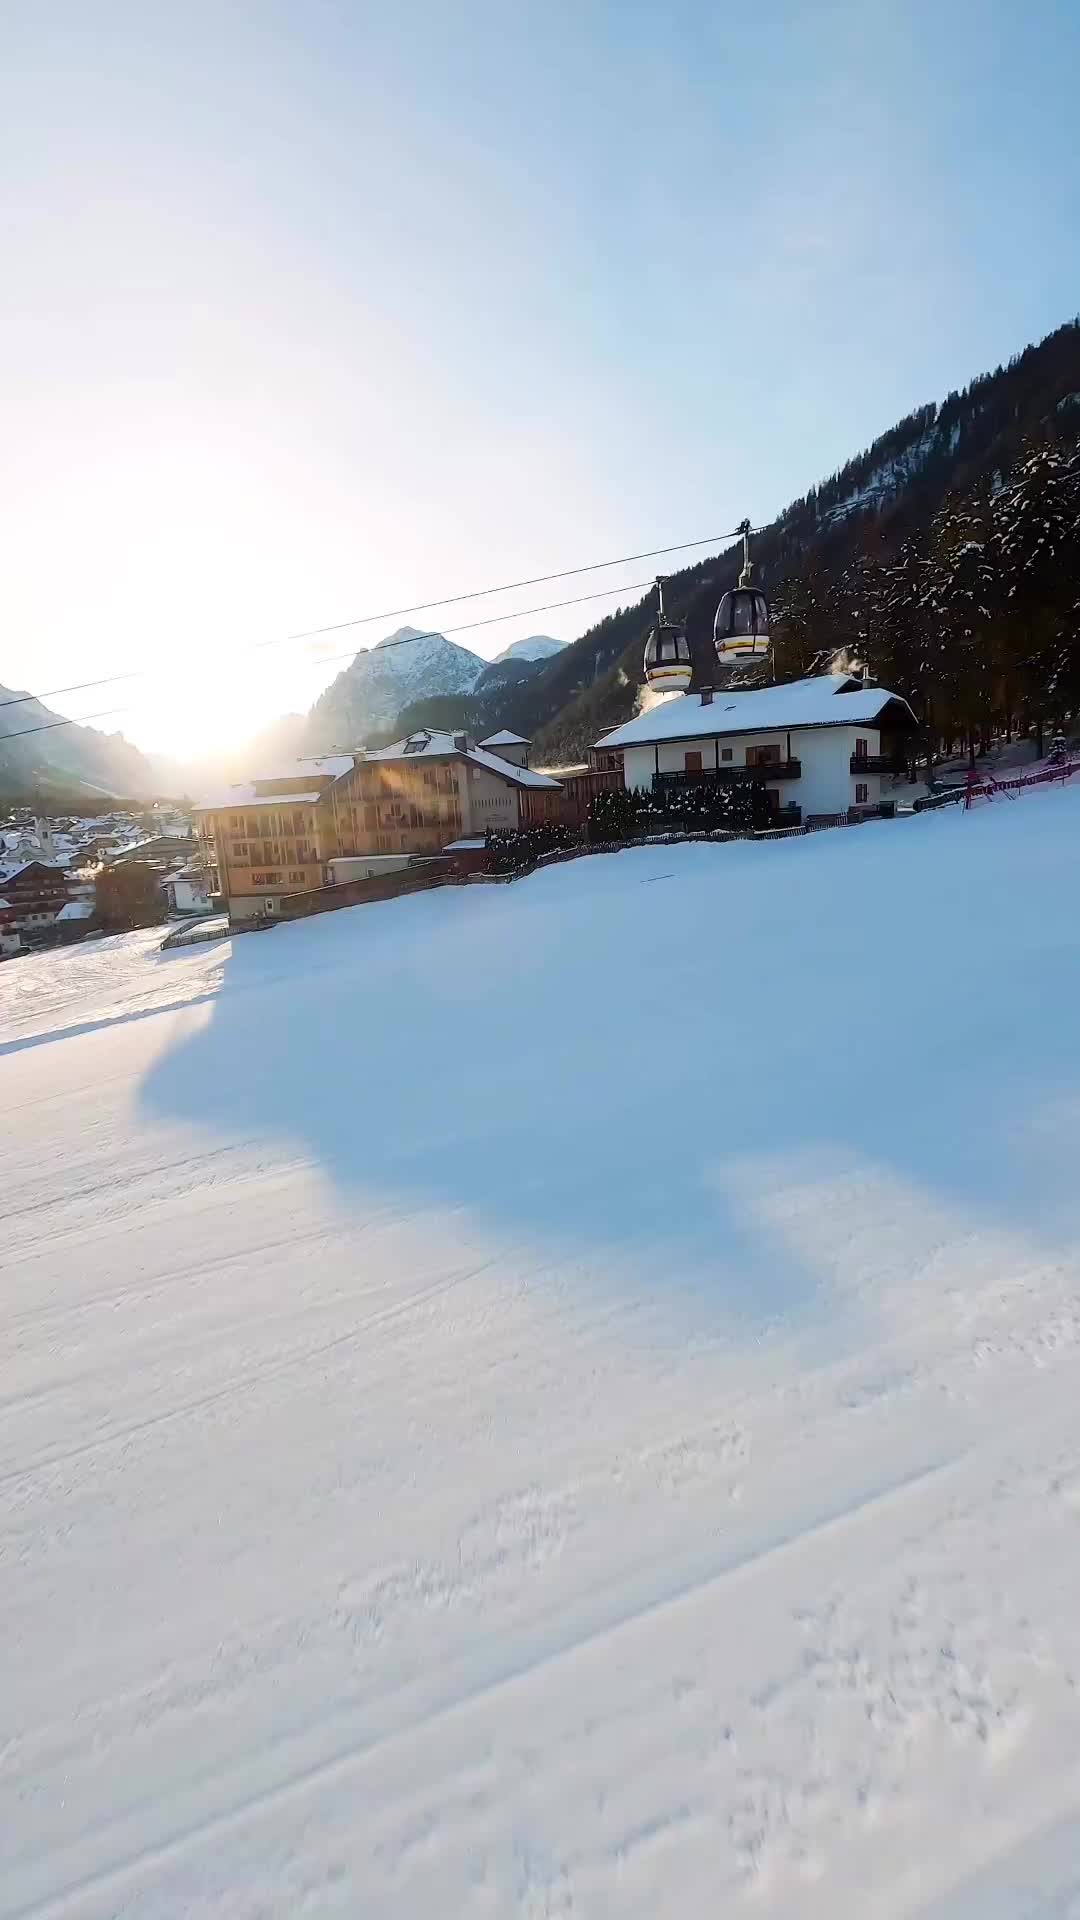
75, 921
421, 793
35, 893
272, 836
10, 937
820, 746
187, 891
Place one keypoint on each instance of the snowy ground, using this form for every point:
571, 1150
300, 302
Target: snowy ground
556, 1399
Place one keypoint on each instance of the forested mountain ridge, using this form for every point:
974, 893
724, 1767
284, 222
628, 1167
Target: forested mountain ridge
881, 503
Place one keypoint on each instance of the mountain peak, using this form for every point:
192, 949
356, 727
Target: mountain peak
382, 681
535, 646
407, 633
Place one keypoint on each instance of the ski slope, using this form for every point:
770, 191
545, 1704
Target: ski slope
555, 1400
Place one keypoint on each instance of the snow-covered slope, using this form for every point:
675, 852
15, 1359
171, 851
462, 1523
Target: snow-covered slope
537, 646
555, 1399
367, 698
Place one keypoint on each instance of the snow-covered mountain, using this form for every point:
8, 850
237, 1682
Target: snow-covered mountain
367, 697
536, 646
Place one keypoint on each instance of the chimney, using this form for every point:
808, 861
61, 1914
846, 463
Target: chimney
461, 743
706, 696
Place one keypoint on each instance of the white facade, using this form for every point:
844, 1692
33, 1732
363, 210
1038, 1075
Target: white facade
490, 801
187, 893
366, 866
826, 783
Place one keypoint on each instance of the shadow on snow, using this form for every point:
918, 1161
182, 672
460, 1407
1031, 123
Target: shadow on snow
625, 1059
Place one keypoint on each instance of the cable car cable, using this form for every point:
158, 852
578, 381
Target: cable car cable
520, 613
421, 606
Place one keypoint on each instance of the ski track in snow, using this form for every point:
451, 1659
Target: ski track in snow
474, 1441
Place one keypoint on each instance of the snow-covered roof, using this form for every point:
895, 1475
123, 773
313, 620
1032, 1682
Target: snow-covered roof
440, 746
827, 700
244, 798
460, 846
334, 764
12, 873
504, 738
76, 910
518, 776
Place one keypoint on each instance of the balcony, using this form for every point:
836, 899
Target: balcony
767, 771
873, 763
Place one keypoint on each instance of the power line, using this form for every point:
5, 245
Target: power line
48, 725
395, 613
520, 613
510, 586
80, 686
467, 626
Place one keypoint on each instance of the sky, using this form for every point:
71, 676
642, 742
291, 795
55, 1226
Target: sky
318, 309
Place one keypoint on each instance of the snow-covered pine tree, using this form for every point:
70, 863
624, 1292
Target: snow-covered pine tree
1036, 525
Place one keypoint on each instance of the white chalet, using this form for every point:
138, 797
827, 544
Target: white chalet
820, 745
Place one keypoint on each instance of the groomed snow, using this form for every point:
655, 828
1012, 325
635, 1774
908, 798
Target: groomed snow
555, 1399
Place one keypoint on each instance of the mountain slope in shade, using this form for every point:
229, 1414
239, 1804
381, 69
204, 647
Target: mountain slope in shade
883, 496
367, 697
51, 756
561, 695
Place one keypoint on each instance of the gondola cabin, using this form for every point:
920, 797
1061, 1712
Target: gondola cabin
668, 667
741, 627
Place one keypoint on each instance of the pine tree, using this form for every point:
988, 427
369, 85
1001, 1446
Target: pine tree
1036, 517
959, 601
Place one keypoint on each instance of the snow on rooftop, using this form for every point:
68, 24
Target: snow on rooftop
504, 738
332, 764
242, 793
76, 910
244, 798
827, 700
442, 746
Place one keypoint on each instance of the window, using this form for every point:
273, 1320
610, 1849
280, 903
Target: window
762, 756
693, 762
239, 850
862, 793
725, 753
861, 749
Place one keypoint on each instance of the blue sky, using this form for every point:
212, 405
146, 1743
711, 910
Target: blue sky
325, 307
